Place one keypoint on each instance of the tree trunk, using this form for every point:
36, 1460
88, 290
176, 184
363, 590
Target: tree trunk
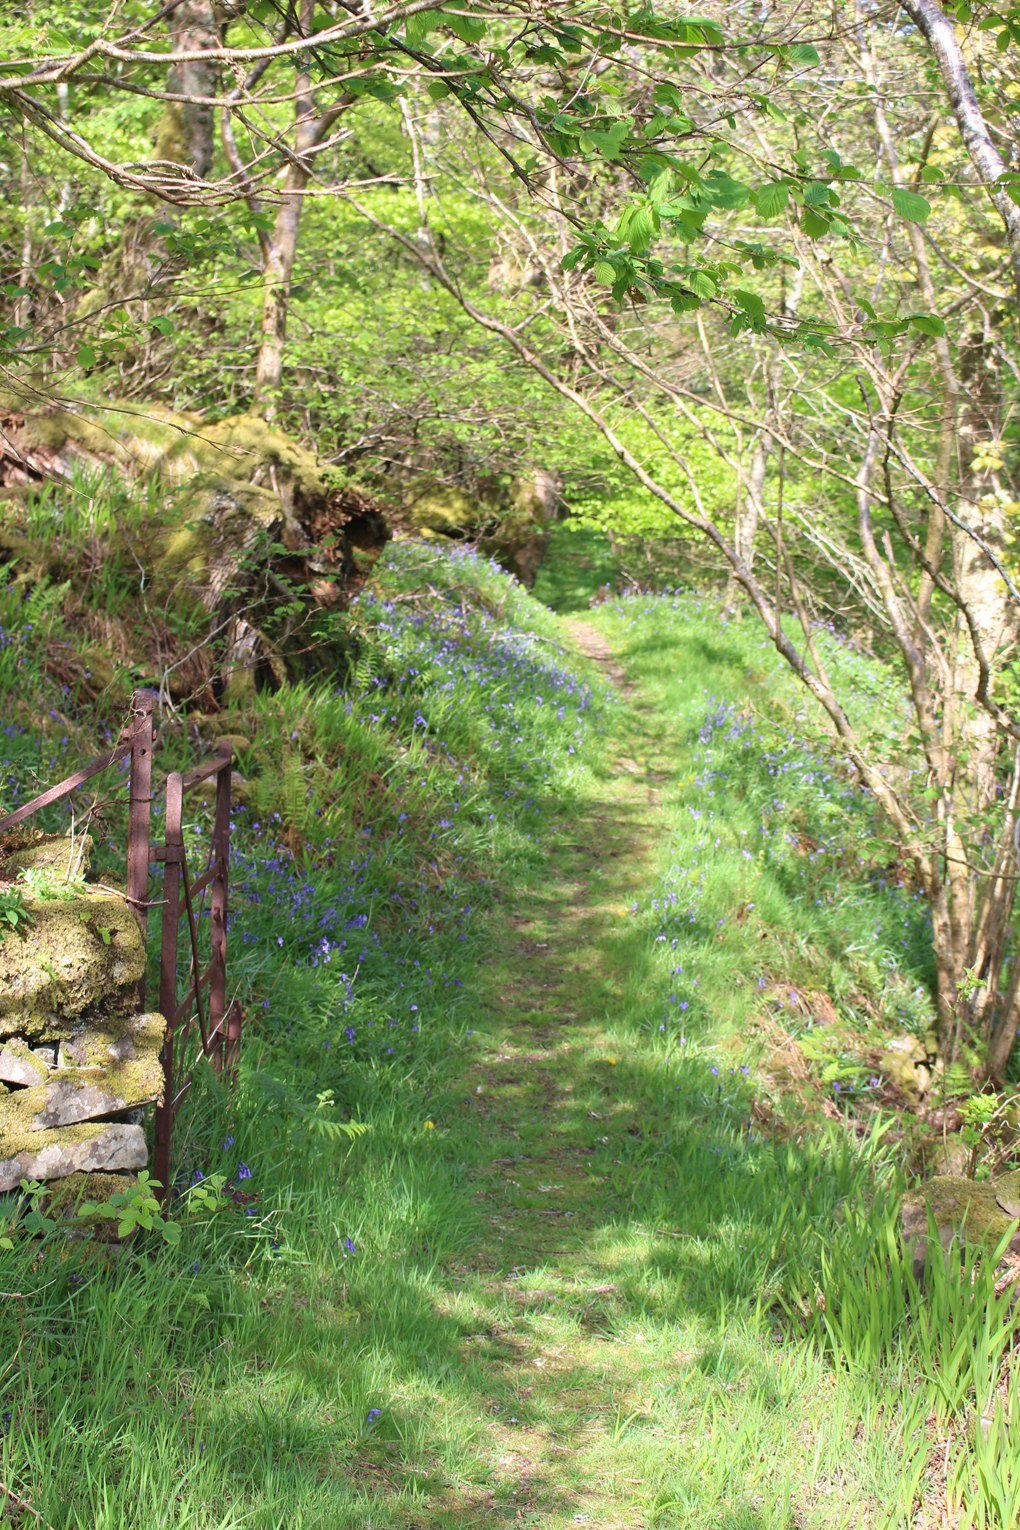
279, 257
940, 35
276, 280
752, 501
192, 27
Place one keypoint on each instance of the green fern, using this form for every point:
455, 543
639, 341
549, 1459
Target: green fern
957, 1079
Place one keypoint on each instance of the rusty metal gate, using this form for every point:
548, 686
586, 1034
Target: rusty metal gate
200, 1023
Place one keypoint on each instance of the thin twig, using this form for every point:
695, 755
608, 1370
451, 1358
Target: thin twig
22, 1503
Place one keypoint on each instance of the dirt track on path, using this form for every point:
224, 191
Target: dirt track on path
549, 1095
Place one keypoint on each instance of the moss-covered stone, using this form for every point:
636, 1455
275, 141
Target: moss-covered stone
20, 1065
975, 1211
78, 1189
903, 1062
101, 1072
78, 953
86, 1148
67, 856
439, 507
115, 1042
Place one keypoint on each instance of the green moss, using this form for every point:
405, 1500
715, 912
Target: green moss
439, 508
66, 966
978, 1211
88, 1146
78, 1188
53, 852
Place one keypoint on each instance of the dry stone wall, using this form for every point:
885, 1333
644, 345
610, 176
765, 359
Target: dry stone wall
78, 1059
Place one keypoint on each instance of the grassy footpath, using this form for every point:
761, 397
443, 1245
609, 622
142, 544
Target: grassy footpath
591, 1258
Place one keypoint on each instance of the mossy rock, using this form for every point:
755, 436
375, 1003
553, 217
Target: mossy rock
903, 1062
79, 1188
965, 1210
86, 1148
98, 1073
20, 1065
78, 954
510, 522
60, 854
116, 1043
440, 508
239, 477
239, 490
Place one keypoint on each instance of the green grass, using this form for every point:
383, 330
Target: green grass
579, 563
579, 1269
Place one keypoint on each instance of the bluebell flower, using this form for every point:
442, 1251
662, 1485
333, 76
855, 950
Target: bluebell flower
243, 1171
350, 1246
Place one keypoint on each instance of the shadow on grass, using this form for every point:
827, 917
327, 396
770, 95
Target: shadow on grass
585, 1180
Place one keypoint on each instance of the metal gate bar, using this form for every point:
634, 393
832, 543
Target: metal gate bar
220, 1039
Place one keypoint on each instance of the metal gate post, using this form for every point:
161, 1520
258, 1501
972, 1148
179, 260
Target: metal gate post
173, 857
218, 909
139, 813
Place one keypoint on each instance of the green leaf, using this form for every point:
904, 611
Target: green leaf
605, 273
702, 284
813, 224
163, 325
928, 324
771, 200
86, 357
437, 90
910, 205
752, 305
469, 29
803, 53
419, 26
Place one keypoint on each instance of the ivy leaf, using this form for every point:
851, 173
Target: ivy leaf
910, 205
